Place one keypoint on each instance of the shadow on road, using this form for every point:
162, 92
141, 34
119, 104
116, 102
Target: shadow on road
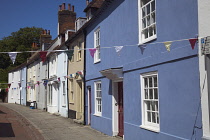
6, 130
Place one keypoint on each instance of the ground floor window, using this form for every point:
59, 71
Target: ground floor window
150, 100
98, 98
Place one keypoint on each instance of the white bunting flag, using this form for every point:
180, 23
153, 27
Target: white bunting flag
142, 47
167, 45
118, 49
12, 56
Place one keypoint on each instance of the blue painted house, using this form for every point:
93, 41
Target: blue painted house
143, 79
23, 79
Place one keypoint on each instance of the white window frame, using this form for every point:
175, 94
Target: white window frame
97, 43
153, 101
152, 23
98, 99
71, 83
79, 51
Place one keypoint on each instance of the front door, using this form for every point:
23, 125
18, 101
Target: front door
120, 109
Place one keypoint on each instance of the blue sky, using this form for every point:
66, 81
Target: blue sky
16, 14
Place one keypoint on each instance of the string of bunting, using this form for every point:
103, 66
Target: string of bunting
92, 51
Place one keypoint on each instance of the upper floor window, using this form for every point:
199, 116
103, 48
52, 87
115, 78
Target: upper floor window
147, 20
150, 101
79, 52
97, 56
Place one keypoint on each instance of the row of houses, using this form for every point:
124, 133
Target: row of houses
138, 69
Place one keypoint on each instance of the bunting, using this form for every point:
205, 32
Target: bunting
192, 42
92, 52
12, 56
59, 79
118, 49
9, 85
142, 47
45, 82
69, 54
28, 87
43, 55
168, 45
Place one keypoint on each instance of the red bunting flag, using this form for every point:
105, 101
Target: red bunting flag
9, 85
43, 55
7, 89
92, 52
192, 42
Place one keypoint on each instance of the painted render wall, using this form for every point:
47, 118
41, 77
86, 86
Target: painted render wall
62, 85
177, 70
204, 30
23, 87
14, 90
42, 73
76, 101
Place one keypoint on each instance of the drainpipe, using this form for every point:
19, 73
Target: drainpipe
84, 35
67, 80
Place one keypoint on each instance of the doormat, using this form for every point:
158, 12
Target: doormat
6, 130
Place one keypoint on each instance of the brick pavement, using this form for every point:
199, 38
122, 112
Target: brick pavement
15, 127
56, 127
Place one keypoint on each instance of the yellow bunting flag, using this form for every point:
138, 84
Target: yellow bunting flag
168, 45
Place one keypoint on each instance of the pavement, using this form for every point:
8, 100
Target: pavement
44, 125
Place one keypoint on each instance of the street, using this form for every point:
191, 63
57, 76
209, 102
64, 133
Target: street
22, 123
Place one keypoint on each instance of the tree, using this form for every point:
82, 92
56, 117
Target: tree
18, 41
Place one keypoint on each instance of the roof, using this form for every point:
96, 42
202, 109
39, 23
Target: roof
94, 4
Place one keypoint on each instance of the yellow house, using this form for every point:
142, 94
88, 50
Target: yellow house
75, 78
31, 79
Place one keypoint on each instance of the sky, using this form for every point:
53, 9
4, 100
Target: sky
16, 14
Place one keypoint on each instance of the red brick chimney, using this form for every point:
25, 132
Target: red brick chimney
45, 37
66, 19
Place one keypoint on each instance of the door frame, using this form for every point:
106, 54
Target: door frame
89, 104
115, 116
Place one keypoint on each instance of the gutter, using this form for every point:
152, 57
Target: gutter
84, 35
67, 94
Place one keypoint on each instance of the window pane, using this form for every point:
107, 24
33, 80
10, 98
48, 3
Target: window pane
151, 29
146, 93
143, 12
148, 9
149, 116
152, 18
151, 93
143, 23
157, 115
153, 106
150, 82
153, 117
145, 83
145, 33
155, 81
153, 5
148, 20
148, 105
156, 106
155, 94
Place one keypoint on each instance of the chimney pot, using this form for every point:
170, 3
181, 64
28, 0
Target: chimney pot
72, 8
42, 31
69, 7
63, 6
87, 2
45, 31
48, 32
60, 6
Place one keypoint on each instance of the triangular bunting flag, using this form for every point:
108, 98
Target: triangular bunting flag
118, 49
9, 85
45, 82
192, 42
28, 87
92, 52
12, 56
59, 79
69, 54
142, 47
43, 55
168, 45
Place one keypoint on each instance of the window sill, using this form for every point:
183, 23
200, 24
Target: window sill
95, 62
148, 39
63, 105
150, 128
97, 115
